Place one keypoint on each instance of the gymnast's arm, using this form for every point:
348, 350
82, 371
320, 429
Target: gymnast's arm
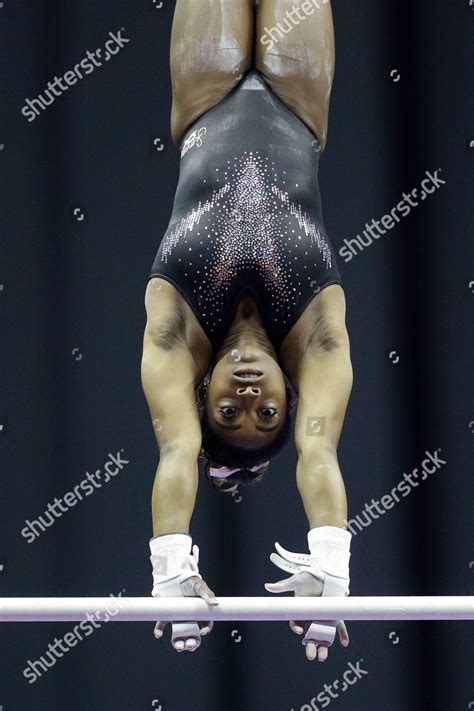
167, 374
323, 380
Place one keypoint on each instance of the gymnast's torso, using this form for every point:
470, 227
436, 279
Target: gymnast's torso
247, 217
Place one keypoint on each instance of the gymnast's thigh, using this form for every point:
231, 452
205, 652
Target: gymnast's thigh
211, 49
294, 50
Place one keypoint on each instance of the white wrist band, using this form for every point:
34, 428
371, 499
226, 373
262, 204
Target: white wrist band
172, 561
330, 549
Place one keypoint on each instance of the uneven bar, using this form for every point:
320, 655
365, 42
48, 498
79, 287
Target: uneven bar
235, 609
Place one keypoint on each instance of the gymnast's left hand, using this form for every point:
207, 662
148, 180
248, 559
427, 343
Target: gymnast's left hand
176, 574
186, 636
307, 581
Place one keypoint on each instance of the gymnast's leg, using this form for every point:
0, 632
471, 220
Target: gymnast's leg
211, 48
294, 50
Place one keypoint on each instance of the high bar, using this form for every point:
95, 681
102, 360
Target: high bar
235, 609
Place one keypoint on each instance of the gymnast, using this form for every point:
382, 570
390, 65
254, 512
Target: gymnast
245, 310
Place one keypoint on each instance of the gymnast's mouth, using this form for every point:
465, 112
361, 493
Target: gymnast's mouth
251, 374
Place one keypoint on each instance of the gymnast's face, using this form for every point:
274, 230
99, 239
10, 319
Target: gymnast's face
246, 400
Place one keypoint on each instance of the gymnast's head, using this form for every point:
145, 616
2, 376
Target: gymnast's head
245, 411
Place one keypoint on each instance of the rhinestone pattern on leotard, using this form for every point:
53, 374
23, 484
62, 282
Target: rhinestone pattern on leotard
249, 222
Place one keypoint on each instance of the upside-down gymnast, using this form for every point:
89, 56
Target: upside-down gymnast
244, 303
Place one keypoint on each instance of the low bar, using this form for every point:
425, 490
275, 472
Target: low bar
234, 609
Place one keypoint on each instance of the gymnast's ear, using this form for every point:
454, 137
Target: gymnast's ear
291, 398
202, 395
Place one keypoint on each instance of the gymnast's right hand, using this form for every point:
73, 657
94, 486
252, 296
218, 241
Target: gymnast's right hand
176, 574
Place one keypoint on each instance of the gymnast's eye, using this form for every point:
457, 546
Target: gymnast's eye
268, 412
227, 412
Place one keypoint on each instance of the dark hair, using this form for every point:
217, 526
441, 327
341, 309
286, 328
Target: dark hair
217, 453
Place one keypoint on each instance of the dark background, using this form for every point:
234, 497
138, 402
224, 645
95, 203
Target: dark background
72, 319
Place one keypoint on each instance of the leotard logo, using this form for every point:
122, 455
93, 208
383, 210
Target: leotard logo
195, 138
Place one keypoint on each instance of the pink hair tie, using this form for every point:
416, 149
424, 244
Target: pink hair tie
225, 471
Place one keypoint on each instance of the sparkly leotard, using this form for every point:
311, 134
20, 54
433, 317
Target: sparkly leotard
247, 216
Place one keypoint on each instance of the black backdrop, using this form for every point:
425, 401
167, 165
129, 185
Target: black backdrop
87, 191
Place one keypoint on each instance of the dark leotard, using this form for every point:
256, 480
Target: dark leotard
247, 216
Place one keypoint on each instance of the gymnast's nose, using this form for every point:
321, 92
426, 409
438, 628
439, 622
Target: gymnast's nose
247, 358
249, 391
